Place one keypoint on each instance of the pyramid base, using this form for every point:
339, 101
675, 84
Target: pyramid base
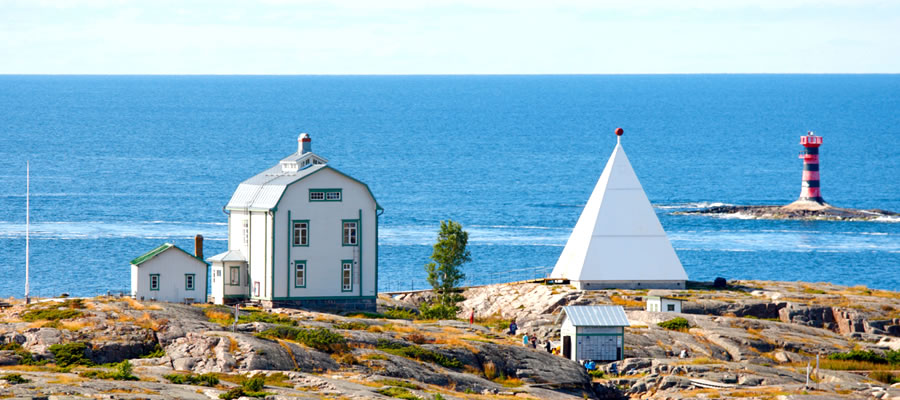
601, 285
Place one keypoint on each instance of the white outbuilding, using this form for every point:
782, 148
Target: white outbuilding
300, 234
618, 241
663, 304
593, 333
168, 273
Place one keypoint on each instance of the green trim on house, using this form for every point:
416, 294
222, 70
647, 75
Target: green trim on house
287, 259
324, 298
293, 232
343, 221
234, 296
206, 285
599, 334
158, 282
271, 256
344, 262
297, 263
231, 274
325, 195
159, 250
193, 281
376, 253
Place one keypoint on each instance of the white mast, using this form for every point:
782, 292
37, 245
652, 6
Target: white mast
27, 222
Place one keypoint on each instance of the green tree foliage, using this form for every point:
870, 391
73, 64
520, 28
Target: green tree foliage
70, 354
445, 271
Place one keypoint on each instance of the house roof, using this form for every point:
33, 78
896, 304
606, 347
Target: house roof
665, 298
618, 236
596, 315
230, 255
263, 191
159, 250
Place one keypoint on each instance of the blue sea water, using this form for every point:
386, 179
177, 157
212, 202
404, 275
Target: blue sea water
121, 164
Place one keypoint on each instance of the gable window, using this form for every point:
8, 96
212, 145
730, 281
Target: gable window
350, 232
246, 231
235, 278
189, 281
299, 274
154, 281
325, 194
347, 276
301, 233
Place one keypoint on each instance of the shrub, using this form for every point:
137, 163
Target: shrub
50, 314
490, 370
14, 379
397, 392
351, 326
250, 387
399, 383
258, 316
438, 311
416, 338
400, 313
254, 384
321, 339
123, 372
156, 353
675, 324
720, 283
417, 353
70, 354
884, 377
26, 357
890, 357
596, 373
191, 379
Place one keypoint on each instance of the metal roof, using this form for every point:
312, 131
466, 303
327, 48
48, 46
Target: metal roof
159, 250
230, 255
263, 191
596, 315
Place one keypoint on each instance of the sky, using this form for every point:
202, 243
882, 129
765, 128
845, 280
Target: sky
448, 37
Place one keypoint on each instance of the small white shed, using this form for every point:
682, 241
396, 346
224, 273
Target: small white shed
595, 333
168, 273
663, 304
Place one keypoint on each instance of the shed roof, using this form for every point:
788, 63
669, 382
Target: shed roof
159, 250
230, 255
263, 191
596, 315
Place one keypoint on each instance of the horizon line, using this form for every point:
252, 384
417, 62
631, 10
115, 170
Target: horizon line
455, 74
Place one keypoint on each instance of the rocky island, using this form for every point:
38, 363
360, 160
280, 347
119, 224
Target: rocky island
799, 210
746, 339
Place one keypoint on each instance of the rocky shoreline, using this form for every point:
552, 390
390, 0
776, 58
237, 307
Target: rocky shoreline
828, 213
750, 339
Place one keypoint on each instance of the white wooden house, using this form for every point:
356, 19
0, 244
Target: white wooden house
663, 304
595, 333
300, 234
168, 273
618, 241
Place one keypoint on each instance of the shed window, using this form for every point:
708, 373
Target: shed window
301, 233
188, 281
670, 307
246, 231
350, 233
256, 288
235, 278
154, 281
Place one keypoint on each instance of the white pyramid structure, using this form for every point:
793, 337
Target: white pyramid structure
618, 242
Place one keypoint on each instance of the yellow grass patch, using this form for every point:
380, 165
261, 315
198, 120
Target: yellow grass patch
147, 322
700, 361
375, 328
65, 379
218, 317
621, 301
76, 325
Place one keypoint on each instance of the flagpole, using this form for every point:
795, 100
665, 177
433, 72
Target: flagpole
27, 223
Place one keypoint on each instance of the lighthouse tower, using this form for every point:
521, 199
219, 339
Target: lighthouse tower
810, 189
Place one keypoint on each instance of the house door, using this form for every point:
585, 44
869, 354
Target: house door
567, 347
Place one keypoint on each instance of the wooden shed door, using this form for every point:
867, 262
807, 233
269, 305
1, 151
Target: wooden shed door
567, 347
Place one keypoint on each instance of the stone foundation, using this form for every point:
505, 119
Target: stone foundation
332, 305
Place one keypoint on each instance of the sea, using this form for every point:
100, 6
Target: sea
122, 164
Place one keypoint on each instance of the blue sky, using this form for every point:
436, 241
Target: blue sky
448, 37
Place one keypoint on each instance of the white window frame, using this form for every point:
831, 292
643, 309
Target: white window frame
350, 236
317, 196
347, 276
301, 233
333, 196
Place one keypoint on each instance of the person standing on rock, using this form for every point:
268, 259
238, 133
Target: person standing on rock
525, 339
512, 328
534, 342
472, 317
547, 346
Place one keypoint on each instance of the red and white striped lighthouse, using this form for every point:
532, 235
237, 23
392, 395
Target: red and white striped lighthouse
810, 190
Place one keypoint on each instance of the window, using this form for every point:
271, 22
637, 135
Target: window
246, 231
188, 281
301, 233
670, 307
350, 232
325, 194
347, 276
235, 278
256, 288
154, 281
299, 274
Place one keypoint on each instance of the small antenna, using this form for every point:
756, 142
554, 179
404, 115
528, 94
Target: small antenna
27, 225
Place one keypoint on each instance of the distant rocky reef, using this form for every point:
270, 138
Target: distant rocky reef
800, 210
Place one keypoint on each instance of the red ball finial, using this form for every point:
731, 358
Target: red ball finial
619, 131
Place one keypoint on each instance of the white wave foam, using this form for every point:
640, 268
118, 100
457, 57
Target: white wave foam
690, 206
114, 230
888, 218
733, 216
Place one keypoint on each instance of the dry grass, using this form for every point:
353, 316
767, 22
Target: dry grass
137, 305
218, 317
233, 346
375, 328
700, 361
490, 370
760, 393
147, 322
76, 325
693, 394
621, 301
27, 368
849, 365
509, 382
